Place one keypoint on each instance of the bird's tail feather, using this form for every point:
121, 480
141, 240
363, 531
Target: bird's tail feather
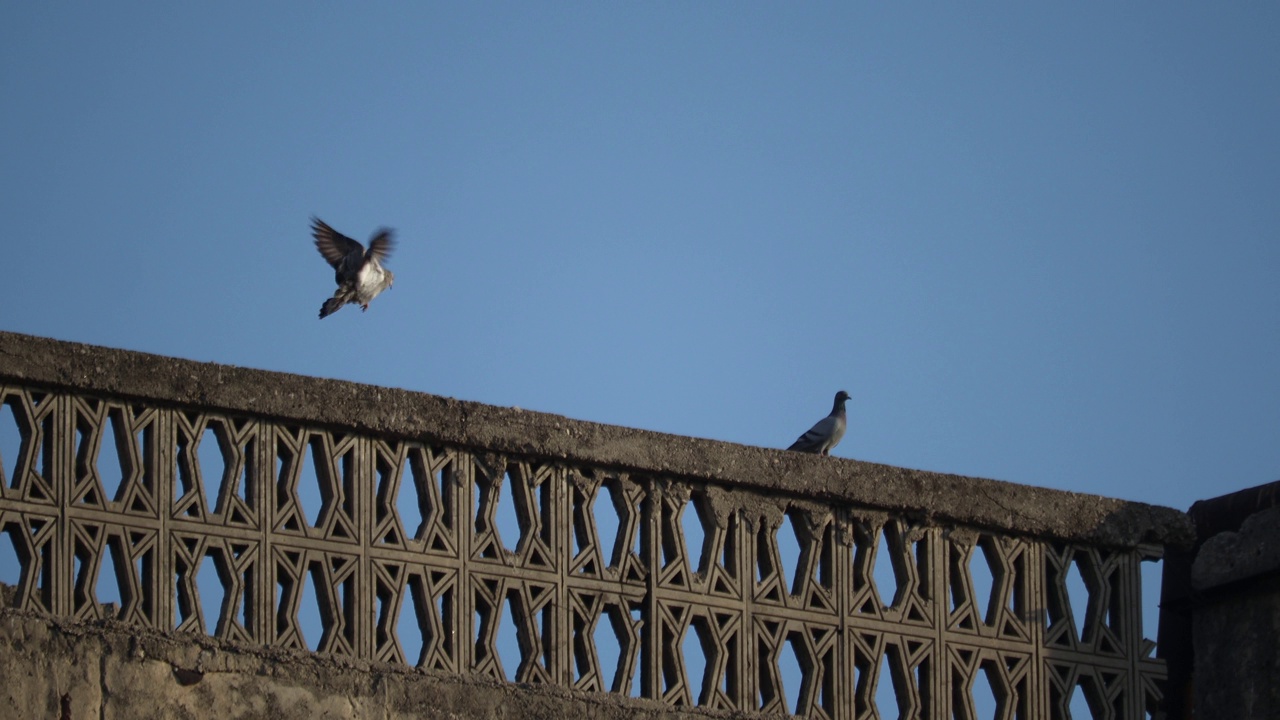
331, 306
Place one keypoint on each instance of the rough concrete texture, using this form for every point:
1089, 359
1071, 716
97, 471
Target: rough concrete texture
1234, 556
66, 670
1235, 608
933, 497
1237, 658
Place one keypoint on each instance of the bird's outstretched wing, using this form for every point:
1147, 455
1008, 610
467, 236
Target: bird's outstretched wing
333, 245
381, 245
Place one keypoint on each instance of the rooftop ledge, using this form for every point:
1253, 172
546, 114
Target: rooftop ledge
936, 498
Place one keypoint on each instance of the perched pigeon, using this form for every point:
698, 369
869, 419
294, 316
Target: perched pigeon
358, 272
827, 433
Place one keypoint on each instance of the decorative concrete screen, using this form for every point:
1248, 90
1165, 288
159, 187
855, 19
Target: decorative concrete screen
697, 551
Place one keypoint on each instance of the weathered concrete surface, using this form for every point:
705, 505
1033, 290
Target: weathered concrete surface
1237, 653
936, 497
1182, 602
56, 669
1235, 616
1230, 557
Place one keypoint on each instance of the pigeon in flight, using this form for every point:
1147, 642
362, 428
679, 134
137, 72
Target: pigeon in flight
827, 432
358, 272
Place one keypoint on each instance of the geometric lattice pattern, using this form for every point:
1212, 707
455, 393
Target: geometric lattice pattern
882, 616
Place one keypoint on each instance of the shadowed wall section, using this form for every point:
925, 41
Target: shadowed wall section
704, 566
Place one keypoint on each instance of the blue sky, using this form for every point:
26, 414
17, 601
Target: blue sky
1035, 244
1039, 244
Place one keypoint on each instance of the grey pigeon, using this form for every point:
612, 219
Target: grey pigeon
827, 432
358, 272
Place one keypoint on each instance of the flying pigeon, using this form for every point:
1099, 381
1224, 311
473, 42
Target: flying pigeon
827, 432
358, 272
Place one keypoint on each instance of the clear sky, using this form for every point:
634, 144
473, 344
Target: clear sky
1035, 242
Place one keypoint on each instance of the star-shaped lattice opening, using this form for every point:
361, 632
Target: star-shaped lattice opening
533, 489
1077, 692
333, 578
415, 615
214, 584
119, 455
414, 502
315, 589
315, 479
673, 621
400, 511
110, 567
198, 600
814, 647
812, 582
891, 676
718, 642
497, 525
517, 645
586, 544
514, 513
206, 467
891, 571
989, 684
584, 616
26, 446
1084, 599
31, 539
780, 668
617, 646
392, 638
105, 457
791, 676
290, 572
530, 608
987, 587
674, 545
793, 560
217, 478
618, 519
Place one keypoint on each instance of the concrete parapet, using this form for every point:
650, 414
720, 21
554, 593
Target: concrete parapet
935, 497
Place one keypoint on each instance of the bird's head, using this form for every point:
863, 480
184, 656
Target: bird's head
842, 396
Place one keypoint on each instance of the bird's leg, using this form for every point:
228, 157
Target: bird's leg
364, 307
